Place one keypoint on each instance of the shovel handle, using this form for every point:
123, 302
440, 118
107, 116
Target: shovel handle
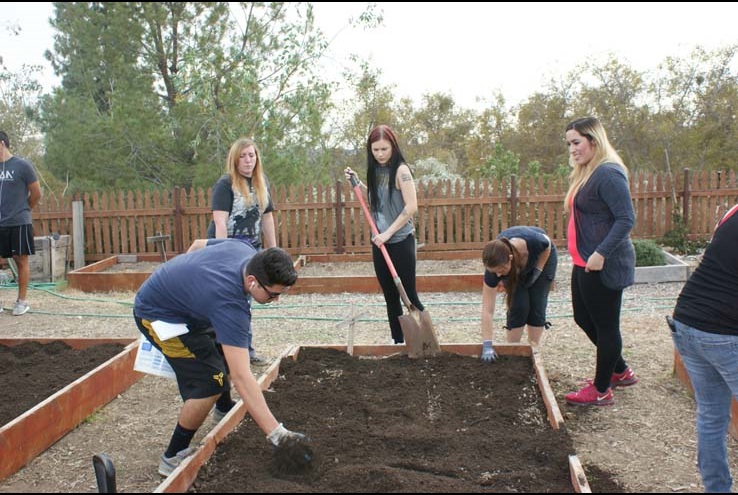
373, 226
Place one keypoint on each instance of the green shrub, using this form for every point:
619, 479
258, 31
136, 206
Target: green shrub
648, 253
678, 240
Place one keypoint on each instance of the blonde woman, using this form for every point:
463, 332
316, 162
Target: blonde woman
242, 206
598, 238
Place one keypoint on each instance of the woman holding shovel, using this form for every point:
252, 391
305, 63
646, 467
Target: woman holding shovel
393, 202
521, 261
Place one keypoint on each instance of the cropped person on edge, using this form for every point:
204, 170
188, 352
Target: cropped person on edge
393, 202
206, 293
705, 332
523, 260
20, 192
598, 236
242, 206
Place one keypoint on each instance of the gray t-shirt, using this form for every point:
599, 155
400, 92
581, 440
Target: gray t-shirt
389, 207
16, 175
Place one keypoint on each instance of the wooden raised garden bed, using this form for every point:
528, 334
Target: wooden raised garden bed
95, 278
34, 431
474, 417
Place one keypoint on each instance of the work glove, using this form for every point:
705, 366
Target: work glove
488, 352
293, 453
533, 277
281, 435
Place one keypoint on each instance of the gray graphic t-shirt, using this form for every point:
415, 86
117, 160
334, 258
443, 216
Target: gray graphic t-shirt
15, 176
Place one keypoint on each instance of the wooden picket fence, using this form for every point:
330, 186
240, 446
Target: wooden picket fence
327, 219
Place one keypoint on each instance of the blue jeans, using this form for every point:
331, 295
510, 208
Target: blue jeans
711, 361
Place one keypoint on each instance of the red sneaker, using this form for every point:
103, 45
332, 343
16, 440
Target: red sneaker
624, 379
589, 396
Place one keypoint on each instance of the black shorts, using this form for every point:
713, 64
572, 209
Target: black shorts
17, 241
196, 359
529, 305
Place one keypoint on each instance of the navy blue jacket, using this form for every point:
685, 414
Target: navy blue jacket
604, 217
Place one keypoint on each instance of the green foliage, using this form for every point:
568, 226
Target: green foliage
502, 164
155, 93
677, 238
534, 168
20, 93
562, 171
648, 253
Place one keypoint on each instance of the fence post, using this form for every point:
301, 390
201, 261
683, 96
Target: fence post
178, 230
338, 208
78, 233
685, 199
513, 200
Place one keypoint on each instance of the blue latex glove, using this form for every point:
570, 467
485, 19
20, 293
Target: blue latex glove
488, 352
533, 277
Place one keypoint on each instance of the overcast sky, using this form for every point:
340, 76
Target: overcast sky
469, 49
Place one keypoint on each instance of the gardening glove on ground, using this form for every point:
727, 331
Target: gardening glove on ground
533, 277
488, 352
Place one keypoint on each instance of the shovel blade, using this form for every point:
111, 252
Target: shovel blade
420, 336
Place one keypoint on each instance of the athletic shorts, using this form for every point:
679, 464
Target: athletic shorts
17, 241
529, 305
196, 359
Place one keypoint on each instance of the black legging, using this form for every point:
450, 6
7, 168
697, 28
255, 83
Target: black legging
597, 312
402, 255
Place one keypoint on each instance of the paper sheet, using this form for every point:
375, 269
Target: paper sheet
166, 330
150, 360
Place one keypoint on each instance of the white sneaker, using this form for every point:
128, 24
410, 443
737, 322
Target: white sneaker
21, 307
169, 464
218, 415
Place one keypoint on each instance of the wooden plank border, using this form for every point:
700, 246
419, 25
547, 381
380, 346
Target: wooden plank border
34, 431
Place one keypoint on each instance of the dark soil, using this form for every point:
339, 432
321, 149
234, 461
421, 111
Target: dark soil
446, 424
31, 372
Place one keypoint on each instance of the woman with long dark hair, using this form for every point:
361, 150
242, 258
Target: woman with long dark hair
393, 202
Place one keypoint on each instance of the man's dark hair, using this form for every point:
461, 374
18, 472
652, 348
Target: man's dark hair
5, 139
273, 266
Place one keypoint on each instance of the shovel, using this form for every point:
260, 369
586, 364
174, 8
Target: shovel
417, 326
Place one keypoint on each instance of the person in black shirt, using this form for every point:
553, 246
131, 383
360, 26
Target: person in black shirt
705, 332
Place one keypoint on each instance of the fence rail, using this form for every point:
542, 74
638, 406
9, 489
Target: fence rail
327, 219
